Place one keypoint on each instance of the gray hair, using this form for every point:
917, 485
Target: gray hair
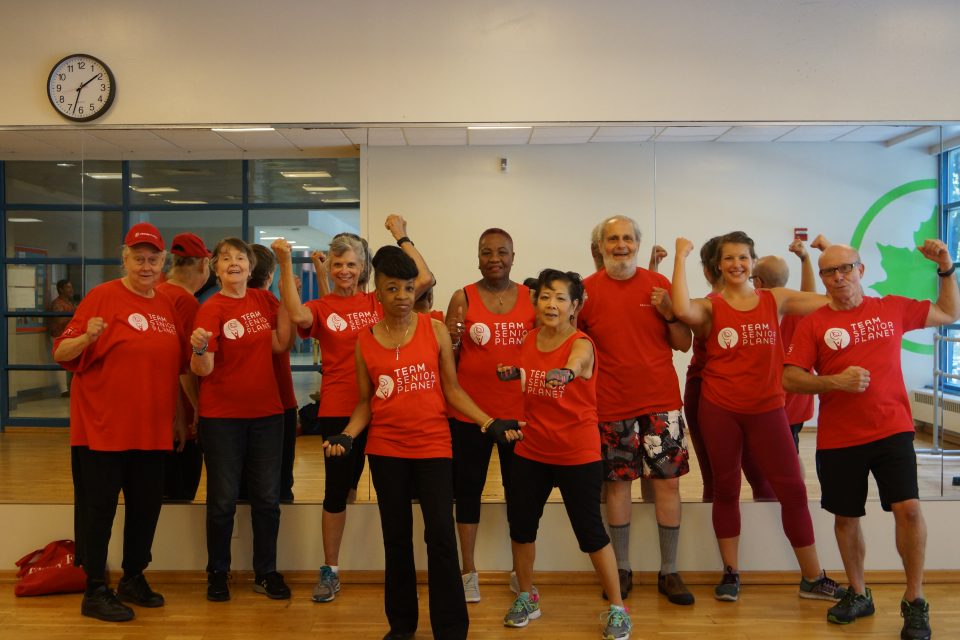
343, 242
598, 230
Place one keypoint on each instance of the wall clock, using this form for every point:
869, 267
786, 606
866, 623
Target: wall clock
81, 88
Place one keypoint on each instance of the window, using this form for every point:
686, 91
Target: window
950, 220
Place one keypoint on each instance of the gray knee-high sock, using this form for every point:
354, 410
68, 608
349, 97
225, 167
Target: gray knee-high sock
669, 537
620, 538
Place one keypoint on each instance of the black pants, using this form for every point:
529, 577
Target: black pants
471, 459
341, 473
98, 478
182, 469
393, 478
289, 453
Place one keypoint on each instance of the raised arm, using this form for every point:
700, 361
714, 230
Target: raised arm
946, 309
289, 298
397, 226
70, 348
285, 334
657, 254
808, 280
791, 302
694, 313
318, 259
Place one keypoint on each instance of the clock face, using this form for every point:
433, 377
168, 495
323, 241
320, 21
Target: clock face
81, 87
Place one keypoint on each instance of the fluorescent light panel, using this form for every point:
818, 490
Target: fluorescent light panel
240, 129
24, 220
494, 128
186, 201
109, 176
313, 189
339, 200
305, 174
155, 189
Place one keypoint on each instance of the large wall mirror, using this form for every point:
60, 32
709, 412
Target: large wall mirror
68, 195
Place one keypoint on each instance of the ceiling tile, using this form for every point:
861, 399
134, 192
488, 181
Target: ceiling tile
356, 136
196, 140
385, 137
817, 133
561, 135
758, 133
495, 136
623, 134
691, 134
875, 133
425, 136
315, 137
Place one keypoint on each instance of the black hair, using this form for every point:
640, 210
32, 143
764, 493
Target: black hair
61, 284
390, 261
531, 283
266, 263
709, 256
574, 284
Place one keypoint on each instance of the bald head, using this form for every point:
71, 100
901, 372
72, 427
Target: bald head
837, 254
772, 271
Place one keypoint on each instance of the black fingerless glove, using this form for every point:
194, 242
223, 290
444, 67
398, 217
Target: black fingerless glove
513, 373
342, 439
498, 429
561, 376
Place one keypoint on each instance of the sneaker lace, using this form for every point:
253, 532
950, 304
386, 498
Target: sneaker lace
730, 578
615, 617
827, 584
848, 598
326, 574
520, 604
914, 617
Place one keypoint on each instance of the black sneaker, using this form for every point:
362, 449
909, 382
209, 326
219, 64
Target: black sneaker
135, 590
217, 588
851, 606
404, 635
916, 620
272, 585
626, 583
103, 604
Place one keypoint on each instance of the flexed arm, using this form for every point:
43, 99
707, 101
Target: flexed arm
289, 292
694, 313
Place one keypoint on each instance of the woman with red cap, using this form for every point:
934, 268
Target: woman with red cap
124, 348
189, 270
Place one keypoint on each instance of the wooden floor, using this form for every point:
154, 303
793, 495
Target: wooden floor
569, 612
35, 468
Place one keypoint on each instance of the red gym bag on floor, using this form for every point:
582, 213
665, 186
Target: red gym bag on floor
50, 570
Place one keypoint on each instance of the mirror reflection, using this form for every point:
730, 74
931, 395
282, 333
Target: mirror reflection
881, 188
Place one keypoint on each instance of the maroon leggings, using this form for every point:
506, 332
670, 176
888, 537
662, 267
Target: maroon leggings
691, 407
765, 439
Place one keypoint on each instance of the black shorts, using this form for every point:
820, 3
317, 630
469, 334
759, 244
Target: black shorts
843, 474
341, 473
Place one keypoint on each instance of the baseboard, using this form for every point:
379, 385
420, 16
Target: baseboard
547, 577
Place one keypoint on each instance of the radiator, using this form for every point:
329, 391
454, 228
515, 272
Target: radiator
922, 406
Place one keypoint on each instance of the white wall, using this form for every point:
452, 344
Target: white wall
293, 61
553, 195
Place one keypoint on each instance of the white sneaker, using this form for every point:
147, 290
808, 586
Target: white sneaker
515, 585
471, 587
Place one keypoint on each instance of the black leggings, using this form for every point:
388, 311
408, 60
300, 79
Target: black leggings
342, 473
471, 459
580, 487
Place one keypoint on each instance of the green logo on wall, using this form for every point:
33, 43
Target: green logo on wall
907, 272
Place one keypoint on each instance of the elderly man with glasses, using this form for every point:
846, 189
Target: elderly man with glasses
865, 426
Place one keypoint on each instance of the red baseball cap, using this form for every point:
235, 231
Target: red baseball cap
188, 245
144, 233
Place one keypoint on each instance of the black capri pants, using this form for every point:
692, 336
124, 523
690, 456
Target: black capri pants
580, 484
342, 473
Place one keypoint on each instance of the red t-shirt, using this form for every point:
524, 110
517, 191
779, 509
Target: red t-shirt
185, 306
744, 357
281, 369
408, 410
562, 422
636, 374
490, 339
799, 406
337, 321
124, 391
243, 383
867, 336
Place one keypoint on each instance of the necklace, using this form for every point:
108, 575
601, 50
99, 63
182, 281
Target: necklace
390, 334
499, 293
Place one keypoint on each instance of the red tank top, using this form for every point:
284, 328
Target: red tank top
744, 357
408, 410
699, 358
561, 423
488, 340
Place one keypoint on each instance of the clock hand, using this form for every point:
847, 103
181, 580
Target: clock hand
76, 101
89, 81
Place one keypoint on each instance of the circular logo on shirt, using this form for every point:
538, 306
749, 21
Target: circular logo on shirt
480, 333
384, 387
138, 322
728, 338
336, 323
233, 329
836, 338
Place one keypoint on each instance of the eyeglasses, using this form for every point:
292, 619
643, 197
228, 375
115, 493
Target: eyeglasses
844, 269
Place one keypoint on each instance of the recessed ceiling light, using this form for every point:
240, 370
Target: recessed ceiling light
240, 129
305, 174
109, 176
65, 164
24, 220
339, 200
152, 190
313, 189
185, 201
269, 237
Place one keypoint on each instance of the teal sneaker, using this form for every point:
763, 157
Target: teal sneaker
327, 587
823, 588
851, 606
916, 619
525, 608
617, 624
729, 588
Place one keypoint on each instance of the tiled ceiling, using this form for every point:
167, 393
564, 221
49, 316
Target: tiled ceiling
311, 142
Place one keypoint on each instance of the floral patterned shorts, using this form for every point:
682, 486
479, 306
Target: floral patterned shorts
648, 446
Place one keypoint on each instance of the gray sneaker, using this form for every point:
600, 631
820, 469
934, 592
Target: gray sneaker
328, 586
729, 588
851, 606
617, 624
524, 609
515, 585
823, 588
471, 586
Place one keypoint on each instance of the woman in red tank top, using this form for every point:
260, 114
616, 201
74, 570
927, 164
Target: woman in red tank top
405, 377
557, 369
741, 408
487, 321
